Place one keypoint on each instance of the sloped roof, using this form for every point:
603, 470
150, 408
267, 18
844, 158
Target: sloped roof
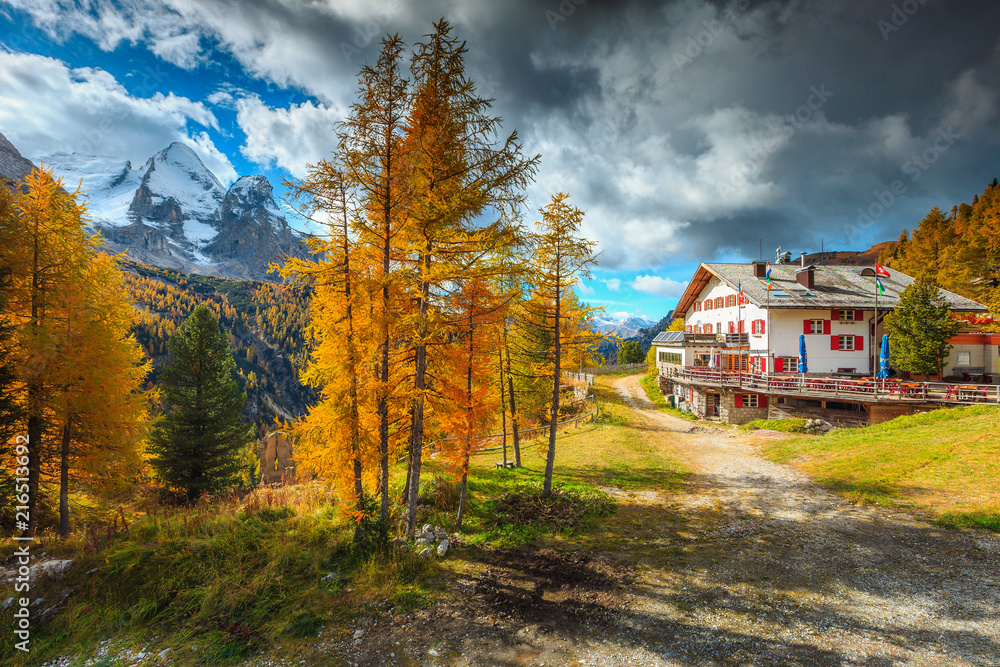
835, 287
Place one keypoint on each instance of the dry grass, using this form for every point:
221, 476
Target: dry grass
942, 463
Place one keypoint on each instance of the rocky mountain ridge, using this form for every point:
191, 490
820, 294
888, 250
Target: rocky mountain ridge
173, 212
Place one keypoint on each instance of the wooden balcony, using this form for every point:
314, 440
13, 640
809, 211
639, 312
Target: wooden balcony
863, 390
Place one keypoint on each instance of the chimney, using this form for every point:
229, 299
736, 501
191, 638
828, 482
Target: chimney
806, 276
802, 258
759, 269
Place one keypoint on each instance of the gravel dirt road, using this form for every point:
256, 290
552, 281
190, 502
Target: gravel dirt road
750, 564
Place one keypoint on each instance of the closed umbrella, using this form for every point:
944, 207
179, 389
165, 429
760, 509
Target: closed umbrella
803, 366
883, 364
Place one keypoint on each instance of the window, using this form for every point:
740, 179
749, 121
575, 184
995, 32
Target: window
816, 326
749, 400
790, 364
963, 359
847, 370
708, 329
697, 306
757, 327
846, 343
730, 301
718, 302
669, 357
847, 316
708, 304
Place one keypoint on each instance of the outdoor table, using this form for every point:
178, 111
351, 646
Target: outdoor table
969, 392
976, 377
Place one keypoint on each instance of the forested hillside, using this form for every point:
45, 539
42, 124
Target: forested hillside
960, 249
264, 321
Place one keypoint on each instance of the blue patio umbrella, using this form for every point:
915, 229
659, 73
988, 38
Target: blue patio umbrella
883, 364
803, 366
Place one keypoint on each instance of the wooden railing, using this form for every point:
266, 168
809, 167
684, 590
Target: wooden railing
865, 390
614, 368
521, 432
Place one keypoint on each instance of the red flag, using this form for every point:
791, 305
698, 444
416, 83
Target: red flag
881, 271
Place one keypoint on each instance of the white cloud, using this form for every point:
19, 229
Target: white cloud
291, 138
47, 107
584, 289
614, 284
658, 286
316, 46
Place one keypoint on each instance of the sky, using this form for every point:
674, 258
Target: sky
689, 131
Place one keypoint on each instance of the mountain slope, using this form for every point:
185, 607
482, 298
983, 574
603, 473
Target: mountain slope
13, 166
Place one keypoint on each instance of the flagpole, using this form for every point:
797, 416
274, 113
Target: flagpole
873, 336
771, 367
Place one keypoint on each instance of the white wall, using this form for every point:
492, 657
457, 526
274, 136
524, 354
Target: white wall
782, 330
787, 326
723, 316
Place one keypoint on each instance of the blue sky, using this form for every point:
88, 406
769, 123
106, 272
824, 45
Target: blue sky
689, 131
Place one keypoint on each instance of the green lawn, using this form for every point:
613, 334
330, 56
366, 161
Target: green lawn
941, 463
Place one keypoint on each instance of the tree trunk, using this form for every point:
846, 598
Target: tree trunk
513, 405
64, 481
382, 406
461, 502
419, 385
550, 458
503, 410
34, 398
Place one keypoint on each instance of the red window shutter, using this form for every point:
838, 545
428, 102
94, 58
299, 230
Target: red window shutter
826, 326
806, 327
762, 401
859, 342
739, 400
834, 342
834, 314
763, 364
859, 315
779, 365
762, 326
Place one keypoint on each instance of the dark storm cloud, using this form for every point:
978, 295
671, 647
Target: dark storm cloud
686, 129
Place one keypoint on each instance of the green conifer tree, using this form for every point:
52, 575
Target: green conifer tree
919, 329
197, 445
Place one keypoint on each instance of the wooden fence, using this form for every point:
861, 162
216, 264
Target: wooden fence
616, 368
594, 411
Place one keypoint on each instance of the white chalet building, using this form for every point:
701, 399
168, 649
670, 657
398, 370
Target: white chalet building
833, 306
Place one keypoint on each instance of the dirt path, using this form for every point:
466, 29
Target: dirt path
750, 565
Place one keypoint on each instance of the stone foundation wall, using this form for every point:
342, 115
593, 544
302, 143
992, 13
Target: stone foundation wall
730, 414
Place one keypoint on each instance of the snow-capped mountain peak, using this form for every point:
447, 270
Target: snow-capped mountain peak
624, 325
175, 176
173, 212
